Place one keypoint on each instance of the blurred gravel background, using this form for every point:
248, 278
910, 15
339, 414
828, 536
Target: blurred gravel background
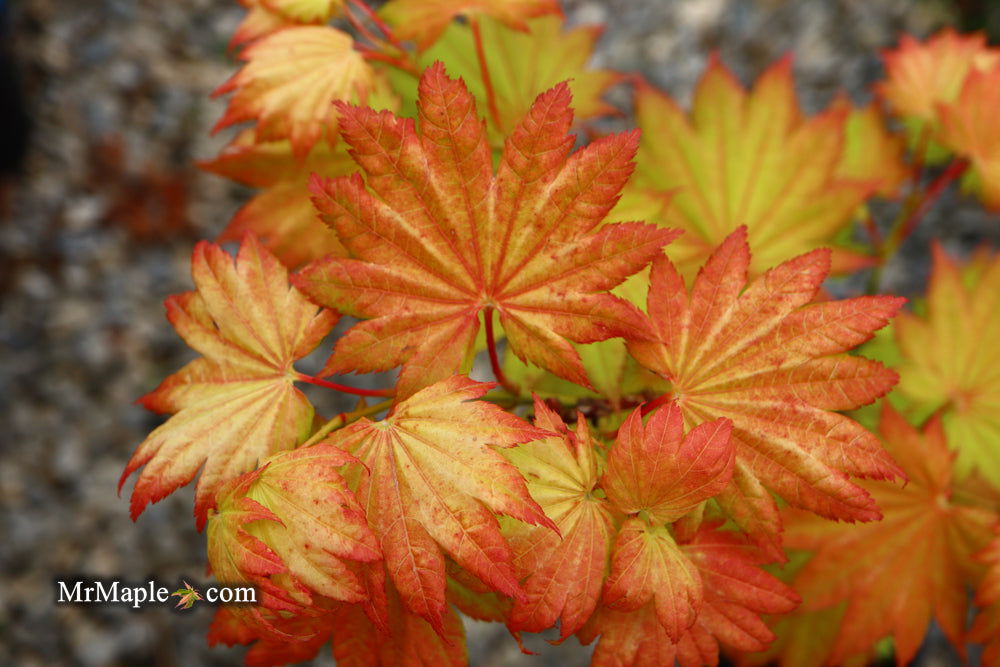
99, 226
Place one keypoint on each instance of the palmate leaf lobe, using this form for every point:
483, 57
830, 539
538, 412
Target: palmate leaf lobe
747, 158
237, 404
926, 539
436, 238
762, 356
435, 482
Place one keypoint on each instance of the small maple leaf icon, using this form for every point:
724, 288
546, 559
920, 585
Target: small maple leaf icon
188, 596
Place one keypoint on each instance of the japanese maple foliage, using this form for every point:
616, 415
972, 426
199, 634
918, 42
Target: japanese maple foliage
677, 405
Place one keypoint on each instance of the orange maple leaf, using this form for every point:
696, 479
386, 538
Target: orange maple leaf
747, 158
761, 355
407, 639
986, 628
290, 81
735, 593
969, 126
436, 481
563, 573
655, 474
259, 21
316, 525
424, 20
236, 404
914, 563
921, 76
436, 238
282, 215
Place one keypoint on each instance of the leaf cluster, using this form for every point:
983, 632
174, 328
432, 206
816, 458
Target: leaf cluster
662, 292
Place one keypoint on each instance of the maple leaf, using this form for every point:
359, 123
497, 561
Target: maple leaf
237, 557
187, 596
258, 22
657, 474
950, 361
986, 628
747, 158
289, 81
735, 593
762, 356
284, 218
648, 567
236, 404
653, 472
442, 439
424, 20
306, 11
921, 76
282, 215
658, 470
521, 65
264, 164
562, 573
408, 640
317, 526
872, 151
473, 598
438, 239
969, 127
925, 539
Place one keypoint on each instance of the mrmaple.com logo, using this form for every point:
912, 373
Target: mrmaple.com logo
110, 591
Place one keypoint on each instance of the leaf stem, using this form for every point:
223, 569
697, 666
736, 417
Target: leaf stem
662, 399
484, 70
491, 346
343, 419
357, 391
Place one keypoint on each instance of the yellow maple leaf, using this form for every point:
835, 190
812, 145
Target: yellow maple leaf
951, 359
746, 158
290, 81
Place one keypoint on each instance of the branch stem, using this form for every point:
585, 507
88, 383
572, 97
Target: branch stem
379, 23
357, 391
916, 207
361, 27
